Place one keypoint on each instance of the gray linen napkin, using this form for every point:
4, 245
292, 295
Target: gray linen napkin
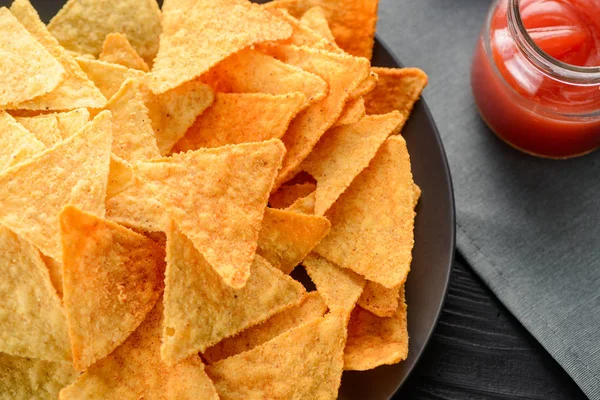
529, 227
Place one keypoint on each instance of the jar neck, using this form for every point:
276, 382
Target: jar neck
544, 62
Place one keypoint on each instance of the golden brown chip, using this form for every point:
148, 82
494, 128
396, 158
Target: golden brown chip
206, 33
241, 118
133, 136
288, 194
135, 371
379, 300
397, 89
82, 25
353, 112
117, 50
27, 69
316, 20
366, 86
69, 123
120, 177
250, 71
217, 197
112, 279
302, 363
108, 77
175, 111
44, 127
32, 320
27, 378
17, 144
375, 341
74, 171
311, 308
304, 205
344, 152
372, 221
56, 273
76, 90
136, 206
201, 309
352, 22
343, 73
286, 237
339, 287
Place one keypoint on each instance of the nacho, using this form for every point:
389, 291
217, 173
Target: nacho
366, 87
379, 300
372, 221
137, 206
69, 123
201, 309
106, 76
117, 50
353, 112
44, 127
17, 144
241, 118
316, 20
287, 195
304, 205
120, 177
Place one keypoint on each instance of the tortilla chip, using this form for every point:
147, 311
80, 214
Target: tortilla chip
217, 197
397, 89
250, 71
82, 25
17, 144
340, 287
305, 205
352, 22
133, 136
201, 309
26, 378
205, 34
372, 221
33, 322
117, 50
27, 69
316, 20
69, 123
311, 308
344, 152
135, 371
137, 206
302, 363
74, 171
112, 279
242, 118
353, 112
120, 176
286, 237
76, 90
55, 271
379, 300
106, 76
175, 111
44, 127
416, 195
366, 87
288, 194
375, 341
343, 73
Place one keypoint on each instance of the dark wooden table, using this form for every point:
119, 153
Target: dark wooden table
480, 351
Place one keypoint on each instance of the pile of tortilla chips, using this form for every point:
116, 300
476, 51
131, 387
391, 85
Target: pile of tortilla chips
163, 172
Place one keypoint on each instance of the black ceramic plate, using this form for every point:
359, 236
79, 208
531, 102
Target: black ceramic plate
434, 239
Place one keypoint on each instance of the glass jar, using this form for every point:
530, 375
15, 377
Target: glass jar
531, 100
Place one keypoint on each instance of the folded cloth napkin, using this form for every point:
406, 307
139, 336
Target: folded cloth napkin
529, 227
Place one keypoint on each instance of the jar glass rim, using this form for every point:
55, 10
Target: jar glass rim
550, 65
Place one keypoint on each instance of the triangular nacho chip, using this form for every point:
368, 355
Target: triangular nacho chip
206, 33
311, 308
339, 287
133, 137
44, 127
27, 378
218, 197
344, 152
82, 25
304, 205
201, 310
33, 322
286, 195
17, 144
117, 50
76, 90
135, 371
353, 112
241, 118
286, 237
136, 206
379, 300
303, 363
120, 177
27, 69
375, 341
372, 221
75, 171
69, 123
366, 87
112, 279
106, 76
316, 20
